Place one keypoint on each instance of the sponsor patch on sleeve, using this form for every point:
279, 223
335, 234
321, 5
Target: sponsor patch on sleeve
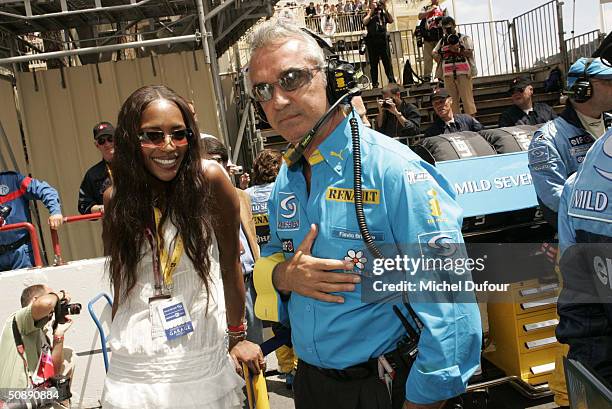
538, 155
413, 177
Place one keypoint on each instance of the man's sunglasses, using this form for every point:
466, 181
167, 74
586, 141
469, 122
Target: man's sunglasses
289, 80
157, 139
101, 140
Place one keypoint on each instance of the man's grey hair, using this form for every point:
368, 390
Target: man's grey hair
275, 32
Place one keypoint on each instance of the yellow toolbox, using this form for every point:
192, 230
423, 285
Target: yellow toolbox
522, 331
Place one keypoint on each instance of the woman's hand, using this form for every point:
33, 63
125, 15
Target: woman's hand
249, 353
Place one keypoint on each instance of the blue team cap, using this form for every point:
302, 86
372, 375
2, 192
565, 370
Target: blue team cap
597, 69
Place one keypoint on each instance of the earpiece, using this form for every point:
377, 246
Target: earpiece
582, 90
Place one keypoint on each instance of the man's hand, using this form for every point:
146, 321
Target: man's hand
97, 208
391, 107
55, 221
62, 328
410, 405
380, 103
245, 179
249, 353
311, 276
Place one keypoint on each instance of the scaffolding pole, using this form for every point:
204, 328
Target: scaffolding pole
210, 54
100, 49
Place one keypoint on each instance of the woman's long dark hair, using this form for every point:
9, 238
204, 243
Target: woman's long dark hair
130, 211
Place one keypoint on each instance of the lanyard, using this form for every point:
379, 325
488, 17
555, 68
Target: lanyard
110, 172
167, 262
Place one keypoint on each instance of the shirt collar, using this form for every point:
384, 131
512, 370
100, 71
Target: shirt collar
337, 147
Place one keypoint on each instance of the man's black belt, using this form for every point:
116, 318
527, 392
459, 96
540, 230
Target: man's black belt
363, 370
5, 248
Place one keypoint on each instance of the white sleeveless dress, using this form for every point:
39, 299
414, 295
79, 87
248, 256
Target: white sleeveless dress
193, 371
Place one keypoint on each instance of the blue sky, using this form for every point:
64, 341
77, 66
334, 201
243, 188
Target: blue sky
587, 12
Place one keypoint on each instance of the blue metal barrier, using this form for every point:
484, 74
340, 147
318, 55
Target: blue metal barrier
99, 325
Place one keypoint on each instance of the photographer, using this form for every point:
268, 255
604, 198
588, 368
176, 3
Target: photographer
22, 369
377, 40
396, 117
455, 55
431, 32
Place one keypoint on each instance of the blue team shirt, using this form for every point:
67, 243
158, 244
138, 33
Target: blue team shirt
406, 201
585, 205
16, 190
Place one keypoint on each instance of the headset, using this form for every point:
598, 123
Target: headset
582, 89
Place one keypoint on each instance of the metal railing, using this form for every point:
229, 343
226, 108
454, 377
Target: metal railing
583, 45
57, 249
342, 23
33, 239
528, 41
536, 37
492, 46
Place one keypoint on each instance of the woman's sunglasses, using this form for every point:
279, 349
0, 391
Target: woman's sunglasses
157, 139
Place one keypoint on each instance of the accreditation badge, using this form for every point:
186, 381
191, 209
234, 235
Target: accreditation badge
175, 319
157, 329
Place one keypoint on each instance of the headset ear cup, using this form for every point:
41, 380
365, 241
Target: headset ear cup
259, 111
582, 90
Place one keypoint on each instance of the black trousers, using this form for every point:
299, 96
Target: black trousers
314, 389
378, 49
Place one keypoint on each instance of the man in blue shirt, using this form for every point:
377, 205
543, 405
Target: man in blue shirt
16, 191
558, 148
311, 270
585, 240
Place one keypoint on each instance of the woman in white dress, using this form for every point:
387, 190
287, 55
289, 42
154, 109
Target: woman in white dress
171, 234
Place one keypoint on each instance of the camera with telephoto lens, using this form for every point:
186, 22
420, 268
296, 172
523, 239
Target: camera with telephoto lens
54, 390
63, 308
5, 211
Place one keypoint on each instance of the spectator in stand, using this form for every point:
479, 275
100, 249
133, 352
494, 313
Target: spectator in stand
319, 9
431, 15
524, 111
358, 6
396, 117
377, 40
340, 7
349, 7
311, 10
98, 177
16, 191
332, 10
455, 52
326, 9
447, 121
